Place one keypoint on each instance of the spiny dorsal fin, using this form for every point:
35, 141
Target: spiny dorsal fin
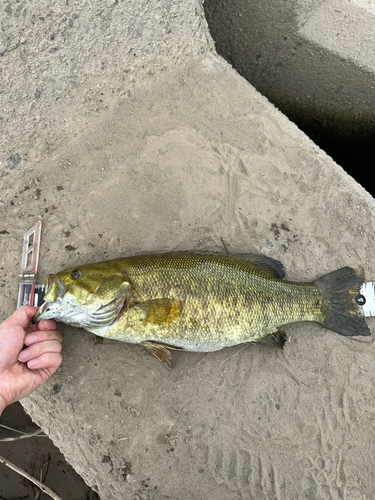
162, 311
274, 268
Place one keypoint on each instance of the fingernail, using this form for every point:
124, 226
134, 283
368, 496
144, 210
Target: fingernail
33, 363
23, 355
31, 339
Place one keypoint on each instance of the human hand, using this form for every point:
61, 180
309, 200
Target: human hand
22, 370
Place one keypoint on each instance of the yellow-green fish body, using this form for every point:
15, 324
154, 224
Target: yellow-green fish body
198, 301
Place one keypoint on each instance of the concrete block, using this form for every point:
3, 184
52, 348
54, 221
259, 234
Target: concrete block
313, 60
183, 154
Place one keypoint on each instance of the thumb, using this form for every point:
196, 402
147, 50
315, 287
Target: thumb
21, 317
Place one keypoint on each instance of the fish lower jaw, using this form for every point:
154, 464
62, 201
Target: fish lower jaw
47, 310
61, 311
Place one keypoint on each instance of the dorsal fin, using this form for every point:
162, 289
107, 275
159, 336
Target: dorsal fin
274, 268
271, 266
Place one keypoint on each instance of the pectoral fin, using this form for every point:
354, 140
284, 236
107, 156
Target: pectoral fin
162, 311
160, 351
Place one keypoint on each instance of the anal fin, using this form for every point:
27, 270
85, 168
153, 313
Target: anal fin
275, 339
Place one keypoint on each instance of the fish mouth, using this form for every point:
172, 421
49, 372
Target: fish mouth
44, 308
54, 295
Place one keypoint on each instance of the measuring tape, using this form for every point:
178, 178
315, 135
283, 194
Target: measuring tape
366, 299
29, 293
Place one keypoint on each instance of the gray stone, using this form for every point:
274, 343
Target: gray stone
13, 161
5, 24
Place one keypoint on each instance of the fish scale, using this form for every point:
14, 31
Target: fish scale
199, 301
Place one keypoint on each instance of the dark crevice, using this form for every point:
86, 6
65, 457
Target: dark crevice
351, 143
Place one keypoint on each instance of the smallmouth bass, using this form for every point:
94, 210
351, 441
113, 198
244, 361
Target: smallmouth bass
198, 301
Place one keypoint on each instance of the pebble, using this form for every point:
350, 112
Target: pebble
13, 161
5, 24
2, 51
57, 389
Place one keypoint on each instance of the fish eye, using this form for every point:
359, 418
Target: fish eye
75, 274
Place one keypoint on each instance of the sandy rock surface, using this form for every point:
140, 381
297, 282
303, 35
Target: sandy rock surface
197, 159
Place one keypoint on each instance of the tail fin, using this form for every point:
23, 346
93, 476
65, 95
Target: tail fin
340, 289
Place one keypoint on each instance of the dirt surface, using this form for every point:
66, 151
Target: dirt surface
194, 158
